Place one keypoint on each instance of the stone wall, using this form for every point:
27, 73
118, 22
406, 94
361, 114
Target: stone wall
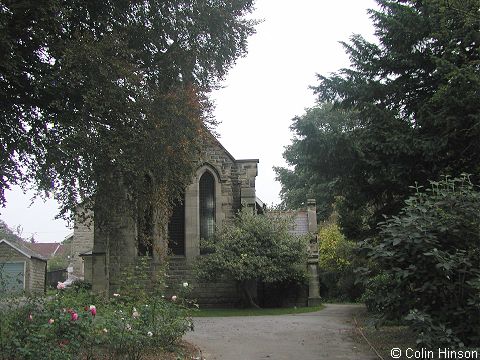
8, 253
283, 295
37, 275
115, 245
82, 242
235, 184
220, 294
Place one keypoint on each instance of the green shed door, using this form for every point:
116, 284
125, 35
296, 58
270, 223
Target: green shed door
12, 276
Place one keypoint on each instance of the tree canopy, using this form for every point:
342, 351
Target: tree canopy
95, 90
321, 152
8, 234
406, 110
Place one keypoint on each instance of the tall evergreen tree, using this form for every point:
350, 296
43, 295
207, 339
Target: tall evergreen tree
415, 95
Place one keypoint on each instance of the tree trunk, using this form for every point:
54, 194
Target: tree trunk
247, 297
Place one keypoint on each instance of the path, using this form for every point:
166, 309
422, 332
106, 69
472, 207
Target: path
311, 336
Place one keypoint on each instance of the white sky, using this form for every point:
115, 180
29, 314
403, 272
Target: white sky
259, 98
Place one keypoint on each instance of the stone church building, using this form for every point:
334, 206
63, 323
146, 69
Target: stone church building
220, 186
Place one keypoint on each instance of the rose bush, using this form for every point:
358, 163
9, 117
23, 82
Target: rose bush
74, 324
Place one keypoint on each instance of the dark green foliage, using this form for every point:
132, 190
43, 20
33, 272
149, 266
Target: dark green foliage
99, 92
377, 289
428, 261
407, 110
320, 154
255, 247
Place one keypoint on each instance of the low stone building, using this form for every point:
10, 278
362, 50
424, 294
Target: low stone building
21, 269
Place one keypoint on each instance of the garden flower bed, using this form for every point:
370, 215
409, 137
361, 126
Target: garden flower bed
74, 324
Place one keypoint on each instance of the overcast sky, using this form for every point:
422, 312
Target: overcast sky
259, 98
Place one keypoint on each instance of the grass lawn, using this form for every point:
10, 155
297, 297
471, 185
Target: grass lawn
255, 312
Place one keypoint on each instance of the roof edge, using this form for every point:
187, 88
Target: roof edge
247, 160
220, 144
227, 152
23, 252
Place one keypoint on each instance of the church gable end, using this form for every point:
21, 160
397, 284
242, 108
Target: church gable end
220, 185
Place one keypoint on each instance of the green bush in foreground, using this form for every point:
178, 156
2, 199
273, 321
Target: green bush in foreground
428, 260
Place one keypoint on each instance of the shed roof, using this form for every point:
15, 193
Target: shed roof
23, 249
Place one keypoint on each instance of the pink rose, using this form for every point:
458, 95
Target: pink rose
51, 321
60, 285
74, 316
93, 310
135, 313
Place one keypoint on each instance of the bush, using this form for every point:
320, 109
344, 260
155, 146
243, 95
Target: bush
74, 324
255, 248
429, 255
377, 293
336, 264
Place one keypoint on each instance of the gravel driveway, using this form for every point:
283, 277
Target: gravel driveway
311, 336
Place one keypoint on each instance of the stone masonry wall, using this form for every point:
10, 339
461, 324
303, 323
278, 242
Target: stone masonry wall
82, 242
236, 185
7, 253
38, 270
228, 193
217, 157
219, 294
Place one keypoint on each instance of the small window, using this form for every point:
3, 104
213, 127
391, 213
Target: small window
207, 205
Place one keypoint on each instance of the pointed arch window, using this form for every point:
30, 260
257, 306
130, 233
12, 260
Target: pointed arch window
207, 205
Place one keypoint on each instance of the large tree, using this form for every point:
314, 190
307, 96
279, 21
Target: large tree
97, 94
320, 154
414, 93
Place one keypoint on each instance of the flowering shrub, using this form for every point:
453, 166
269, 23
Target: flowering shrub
73, 324
41, 328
